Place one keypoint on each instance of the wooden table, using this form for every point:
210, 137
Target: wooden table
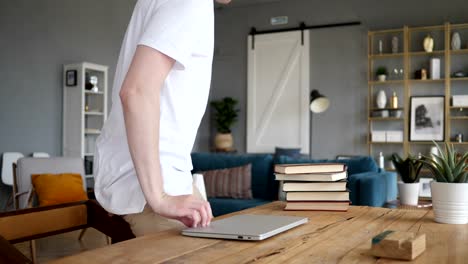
329, 237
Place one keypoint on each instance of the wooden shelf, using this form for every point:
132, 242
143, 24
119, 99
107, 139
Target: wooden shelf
459, 143
460, 51
386, 82
96, 93
385, 143
423, 142
424, 53
458, 107
385, 118
386, 55
95, 113
426, 81
459, 117
390, 109
92, 132
459, 79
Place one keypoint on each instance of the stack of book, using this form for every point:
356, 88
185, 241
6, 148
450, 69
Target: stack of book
317, 186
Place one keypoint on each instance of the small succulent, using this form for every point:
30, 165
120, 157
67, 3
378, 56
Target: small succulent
381, 71
408, 169
449, 165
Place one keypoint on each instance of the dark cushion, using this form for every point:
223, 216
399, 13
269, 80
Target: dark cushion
355, 165
221, 206
290, 152
263, 183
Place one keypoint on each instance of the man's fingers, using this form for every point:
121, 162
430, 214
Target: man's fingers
210, 213
196, 218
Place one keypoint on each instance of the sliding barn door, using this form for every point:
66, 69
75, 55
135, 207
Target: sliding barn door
278, 91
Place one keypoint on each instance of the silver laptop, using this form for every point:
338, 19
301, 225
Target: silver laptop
247, 227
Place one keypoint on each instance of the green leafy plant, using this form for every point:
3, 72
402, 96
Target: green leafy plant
408, 169
381, 71
226, 114
449, 165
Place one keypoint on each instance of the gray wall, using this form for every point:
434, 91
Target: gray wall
338, 58
38, 37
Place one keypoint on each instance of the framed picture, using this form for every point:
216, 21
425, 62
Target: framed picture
427, 118
71, 78
425, 187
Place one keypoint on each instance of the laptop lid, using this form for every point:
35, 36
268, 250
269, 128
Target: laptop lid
247, 227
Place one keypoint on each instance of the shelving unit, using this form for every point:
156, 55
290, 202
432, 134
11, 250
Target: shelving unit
409, 58
84, 112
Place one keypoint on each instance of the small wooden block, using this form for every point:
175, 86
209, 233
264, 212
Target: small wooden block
398, 245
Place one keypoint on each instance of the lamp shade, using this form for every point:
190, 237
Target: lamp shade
318, 102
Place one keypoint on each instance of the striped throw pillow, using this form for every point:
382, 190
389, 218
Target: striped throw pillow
229, 183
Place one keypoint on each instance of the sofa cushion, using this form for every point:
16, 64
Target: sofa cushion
221, 206
229, 183
355, 165
263, 183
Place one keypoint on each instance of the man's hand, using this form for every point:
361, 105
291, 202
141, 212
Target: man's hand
188, 209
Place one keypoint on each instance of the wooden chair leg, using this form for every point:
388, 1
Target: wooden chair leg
32, 245
82, 233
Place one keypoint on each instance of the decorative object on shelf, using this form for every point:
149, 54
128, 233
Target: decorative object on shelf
428, 43
394, 136
456, 41
423, 74
381, 99
434, 67
427, 118
395, 44
394, 101
86, 108
318, 104
396, 113
225, 116
460, 100
380, 46
88, 85
380, 113
408, 170
450, 188
459, 74
93, 80
382, 74
459, 137
381, 160
71, 78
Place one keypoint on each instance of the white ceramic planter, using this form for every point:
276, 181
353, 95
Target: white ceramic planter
450, 202
409, 193
382, 77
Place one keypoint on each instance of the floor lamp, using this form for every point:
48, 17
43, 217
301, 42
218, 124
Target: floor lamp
318, 104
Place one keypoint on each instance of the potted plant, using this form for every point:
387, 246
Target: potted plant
225, 116
450, 188
382, 74
408, 187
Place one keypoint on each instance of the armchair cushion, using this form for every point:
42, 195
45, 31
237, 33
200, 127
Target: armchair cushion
229, 183
62, 188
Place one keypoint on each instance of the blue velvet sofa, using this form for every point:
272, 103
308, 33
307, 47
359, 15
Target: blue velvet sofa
368, 184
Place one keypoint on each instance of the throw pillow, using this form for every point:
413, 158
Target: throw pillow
58, 188
229, 183
289, 152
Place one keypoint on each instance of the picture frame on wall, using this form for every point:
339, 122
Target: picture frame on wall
427, 118
71, 78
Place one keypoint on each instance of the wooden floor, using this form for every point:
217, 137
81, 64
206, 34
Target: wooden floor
62, 245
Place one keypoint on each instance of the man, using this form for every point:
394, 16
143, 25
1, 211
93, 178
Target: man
142, 160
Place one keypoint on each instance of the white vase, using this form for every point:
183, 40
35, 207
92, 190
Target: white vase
450, 202
409, 193
428, 43
382, 77
456, 41
381, 99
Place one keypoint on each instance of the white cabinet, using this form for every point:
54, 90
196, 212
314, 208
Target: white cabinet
84, 110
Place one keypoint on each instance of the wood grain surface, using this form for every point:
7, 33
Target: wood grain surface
329, 237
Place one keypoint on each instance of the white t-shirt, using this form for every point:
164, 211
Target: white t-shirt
184, 31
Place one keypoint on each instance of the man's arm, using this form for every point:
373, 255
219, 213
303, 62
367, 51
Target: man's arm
140, 96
